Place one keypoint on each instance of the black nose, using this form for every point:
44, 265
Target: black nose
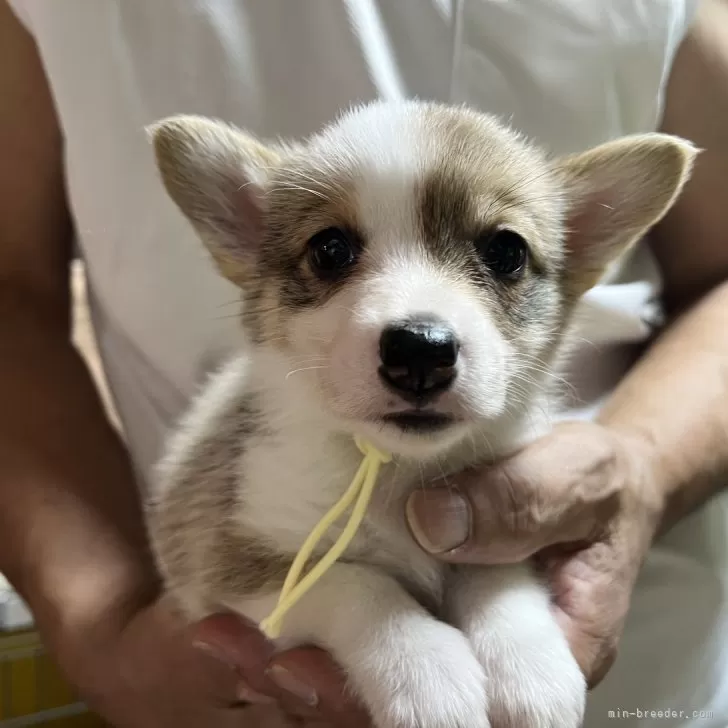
418, 359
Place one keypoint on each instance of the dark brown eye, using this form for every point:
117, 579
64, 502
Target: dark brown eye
504, 252
331, 251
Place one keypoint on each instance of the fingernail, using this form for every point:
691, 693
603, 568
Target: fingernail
215, 652
246, 694
439, 519
232, 642
290, 683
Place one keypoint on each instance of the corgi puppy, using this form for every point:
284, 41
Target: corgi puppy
407, 275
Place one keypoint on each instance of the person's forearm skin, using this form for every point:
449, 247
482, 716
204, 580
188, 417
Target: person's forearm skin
676, 401
71, 527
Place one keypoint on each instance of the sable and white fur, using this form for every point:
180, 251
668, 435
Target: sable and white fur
267, 447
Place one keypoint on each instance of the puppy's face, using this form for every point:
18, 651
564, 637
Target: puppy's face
415, 264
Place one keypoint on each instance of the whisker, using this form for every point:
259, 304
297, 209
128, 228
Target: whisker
322, 183
284, 171
304, 369
448, 485
391, 490
237, 301
516, 186
227, 316
288, 188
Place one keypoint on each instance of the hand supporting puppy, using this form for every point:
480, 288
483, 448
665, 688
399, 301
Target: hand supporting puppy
299, 687
580, 501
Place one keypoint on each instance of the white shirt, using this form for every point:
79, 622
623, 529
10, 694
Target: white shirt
569, 73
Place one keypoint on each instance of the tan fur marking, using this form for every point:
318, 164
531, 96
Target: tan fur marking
204, 548
510, 182
487, 178
301, 204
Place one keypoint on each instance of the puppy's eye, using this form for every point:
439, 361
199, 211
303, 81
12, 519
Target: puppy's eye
331, 251
504, 252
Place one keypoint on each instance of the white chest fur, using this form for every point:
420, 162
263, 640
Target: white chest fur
288, 487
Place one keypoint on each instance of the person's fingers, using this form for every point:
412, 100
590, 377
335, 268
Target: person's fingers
294, 684
590, 592
305, 682
594, 647
223, 684
205, 679
311, 683
217, 684
260, 716
238, 644
561, 489
479, 525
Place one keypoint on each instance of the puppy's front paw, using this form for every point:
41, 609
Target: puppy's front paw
532, 678
424, 677
533, 683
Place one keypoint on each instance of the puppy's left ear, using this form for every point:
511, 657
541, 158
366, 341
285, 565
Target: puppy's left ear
217, 175
615, 193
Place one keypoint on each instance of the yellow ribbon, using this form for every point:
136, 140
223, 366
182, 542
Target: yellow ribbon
360, 490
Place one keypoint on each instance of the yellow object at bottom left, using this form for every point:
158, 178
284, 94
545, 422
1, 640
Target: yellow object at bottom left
32, 690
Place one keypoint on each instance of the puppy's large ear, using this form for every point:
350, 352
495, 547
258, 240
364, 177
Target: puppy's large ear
217, 176
616, 192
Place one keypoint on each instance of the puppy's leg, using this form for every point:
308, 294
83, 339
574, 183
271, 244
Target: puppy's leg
409, 669
533, 679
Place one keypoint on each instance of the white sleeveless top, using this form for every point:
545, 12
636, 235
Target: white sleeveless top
569, 73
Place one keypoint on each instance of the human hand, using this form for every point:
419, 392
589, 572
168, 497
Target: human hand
581, 501
154, 671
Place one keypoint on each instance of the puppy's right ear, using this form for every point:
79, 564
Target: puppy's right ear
617, 192
217, 176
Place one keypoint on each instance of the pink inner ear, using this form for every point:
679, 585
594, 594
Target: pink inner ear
248, 202
593, 228
583, 224
245, 226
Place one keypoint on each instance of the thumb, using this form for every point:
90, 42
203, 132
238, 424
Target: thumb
560, 489
499, 519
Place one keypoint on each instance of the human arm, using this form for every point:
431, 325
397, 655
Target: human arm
55, 442
71, 532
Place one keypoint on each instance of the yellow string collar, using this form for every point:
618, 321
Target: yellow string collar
360, 490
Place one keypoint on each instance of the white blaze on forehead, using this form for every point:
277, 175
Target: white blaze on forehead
387, 151
380, 136
407, 283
